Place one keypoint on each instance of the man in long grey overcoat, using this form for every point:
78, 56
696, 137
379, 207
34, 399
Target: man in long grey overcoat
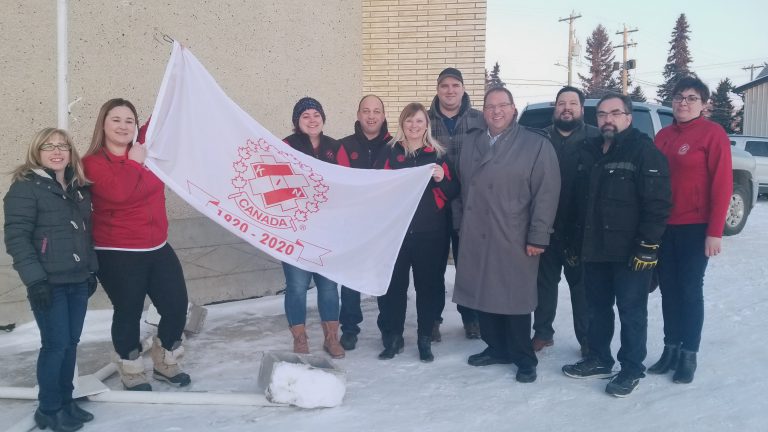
510, 185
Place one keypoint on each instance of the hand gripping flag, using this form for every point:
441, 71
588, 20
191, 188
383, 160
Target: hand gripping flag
343, 223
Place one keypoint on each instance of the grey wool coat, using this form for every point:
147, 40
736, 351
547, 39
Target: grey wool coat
509, 194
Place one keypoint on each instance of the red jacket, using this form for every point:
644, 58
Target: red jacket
699, 155
128, 203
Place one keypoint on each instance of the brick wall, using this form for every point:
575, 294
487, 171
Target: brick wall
406, 43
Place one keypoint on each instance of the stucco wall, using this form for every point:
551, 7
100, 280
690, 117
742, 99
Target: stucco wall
265, 54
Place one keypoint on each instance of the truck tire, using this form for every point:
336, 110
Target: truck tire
738, 210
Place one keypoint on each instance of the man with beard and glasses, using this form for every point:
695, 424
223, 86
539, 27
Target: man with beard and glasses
628, 201
567, 133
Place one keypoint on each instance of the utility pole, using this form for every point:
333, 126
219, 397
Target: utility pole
571, 43
625, 45
751, 69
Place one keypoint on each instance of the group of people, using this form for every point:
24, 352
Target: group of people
614, 210
602, 205
72, 223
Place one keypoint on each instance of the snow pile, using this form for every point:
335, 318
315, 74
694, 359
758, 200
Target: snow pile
305, 386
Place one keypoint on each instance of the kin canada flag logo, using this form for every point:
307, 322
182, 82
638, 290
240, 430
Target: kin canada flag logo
274, 188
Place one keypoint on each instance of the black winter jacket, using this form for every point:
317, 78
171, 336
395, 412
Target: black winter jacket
628, 196
327, 150
48, 229
568, 226
432, 212
359, 150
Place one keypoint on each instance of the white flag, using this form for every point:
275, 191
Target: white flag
344, 223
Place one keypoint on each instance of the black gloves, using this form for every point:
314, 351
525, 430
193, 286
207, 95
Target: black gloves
92, 284
571, 257
39, 295
645, 257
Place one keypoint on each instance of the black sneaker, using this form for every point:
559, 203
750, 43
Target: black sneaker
623, 384
588, 368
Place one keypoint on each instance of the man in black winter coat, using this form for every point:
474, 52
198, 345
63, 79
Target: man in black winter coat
567, 133
628, 201
360, 150
452, 120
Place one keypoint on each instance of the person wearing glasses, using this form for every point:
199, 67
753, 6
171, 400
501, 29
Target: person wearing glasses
48, 235
567, 133
699, 155
452, 120
626, 206
510, 188
130, 233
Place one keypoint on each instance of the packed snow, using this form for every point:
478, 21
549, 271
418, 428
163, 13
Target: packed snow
403, 394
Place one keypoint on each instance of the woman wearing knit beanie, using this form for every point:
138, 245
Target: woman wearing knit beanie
308, 121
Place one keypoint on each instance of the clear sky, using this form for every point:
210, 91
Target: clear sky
527, 40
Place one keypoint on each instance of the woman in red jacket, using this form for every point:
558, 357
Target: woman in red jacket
426, 241
701, 175
130, 232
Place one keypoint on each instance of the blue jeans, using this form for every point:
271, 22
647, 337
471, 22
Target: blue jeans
681, 280
60, 327
350, 315
614, 282
296, 286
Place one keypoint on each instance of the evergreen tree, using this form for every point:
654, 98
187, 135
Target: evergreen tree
738, 121
722, 106
494, 80
637, 95
600, 57
678, 61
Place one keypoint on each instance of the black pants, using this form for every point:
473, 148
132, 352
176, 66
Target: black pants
350, 314
422, 252
508, 337
682, 264
552, 262
128, 277
615, 282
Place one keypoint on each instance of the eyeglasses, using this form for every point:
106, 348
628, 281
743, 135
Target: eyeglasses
602, 115
690, 99
499, 106
51, 147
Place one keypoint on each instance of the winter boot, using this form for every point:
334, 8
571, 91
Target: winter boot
425, 348
132, 372
472, 330
167, 364
668, 360
74, 411
331, 344
393, 345
686, 367
58, 422
348, 341
300, 341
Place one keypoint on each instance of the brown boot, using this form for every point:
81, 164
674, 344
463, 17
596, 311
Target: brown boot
331, 344
166, 364
300, 342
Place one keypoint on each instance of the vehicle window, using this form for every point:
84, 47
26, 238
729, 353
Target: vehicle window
665, 118
757, 148
590, 116
537, 118
642, 121
733, 143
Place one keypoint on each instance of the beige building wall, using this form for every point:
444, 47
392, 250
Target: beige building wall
406, 43
265, 54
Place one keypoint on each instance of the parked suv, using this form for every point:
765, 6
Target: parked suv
649, 119
758, 148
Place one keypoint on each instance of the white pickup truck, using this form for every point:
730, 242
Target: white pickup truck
650, 118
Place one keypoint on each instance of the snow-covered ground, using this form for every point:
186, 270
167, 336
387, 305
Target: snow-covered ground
403, 394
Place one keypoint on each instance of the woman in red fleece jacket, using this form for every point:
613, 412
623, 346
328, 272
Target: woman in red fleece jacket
130, 232
699, 155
